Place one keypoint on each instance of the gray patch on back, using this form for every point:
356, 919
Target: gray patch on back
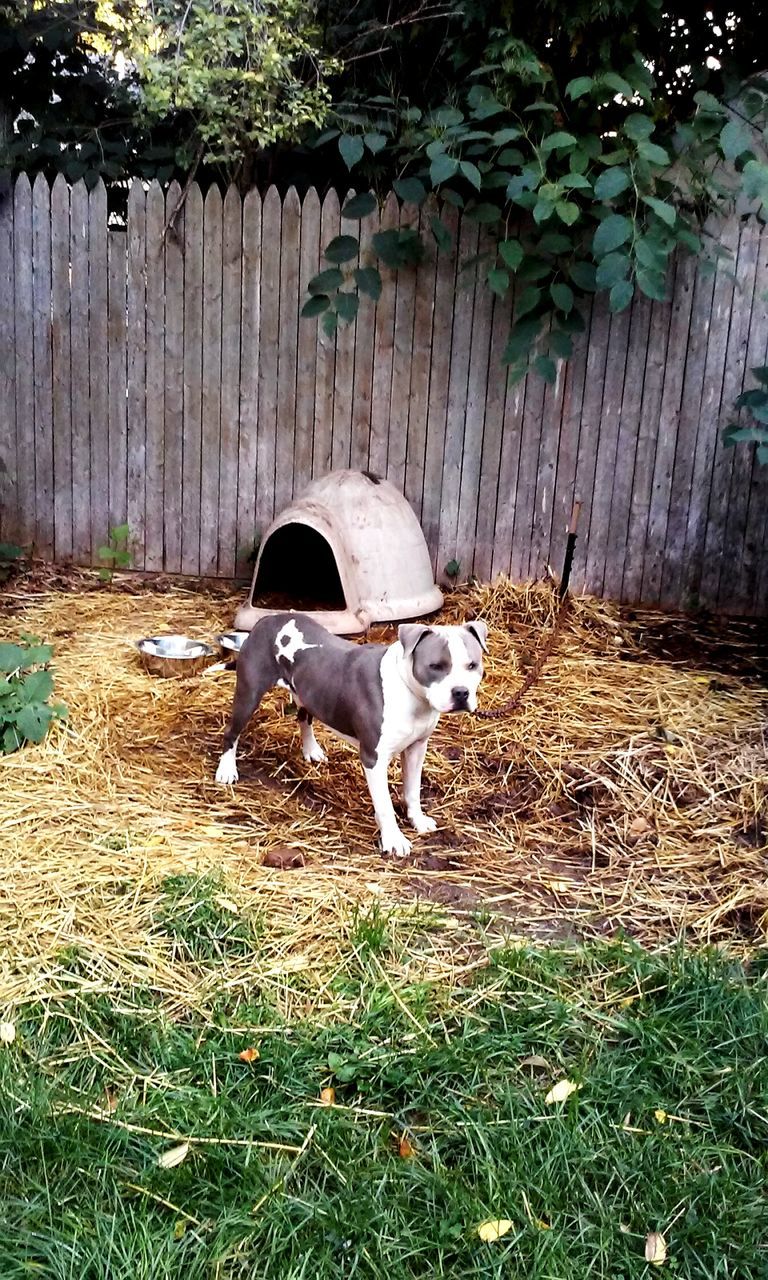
431, 659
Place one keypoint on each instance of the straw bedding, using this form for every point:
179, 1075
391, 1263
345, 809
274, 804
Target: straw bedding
628, 793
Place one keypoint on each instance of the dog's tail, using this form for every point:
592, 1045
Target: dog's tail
220, 666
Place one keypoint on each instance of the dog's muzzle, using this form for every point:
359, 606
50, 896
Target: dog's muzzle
459, 699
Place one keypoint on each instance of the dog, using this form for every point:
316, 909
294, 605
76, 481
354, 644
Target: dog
383, 699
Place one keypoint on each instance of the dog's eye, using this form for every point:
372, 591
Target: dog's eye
437, 666
472, 666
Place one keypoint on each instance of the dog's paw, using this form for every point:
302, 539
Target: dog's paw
315, 755
421, 823
395, 842
227, 773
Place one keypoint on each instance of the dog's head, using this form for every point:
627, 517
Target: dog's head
446, 662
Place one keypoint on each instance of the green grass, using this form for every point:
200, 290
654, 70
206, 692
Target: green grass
84, 1199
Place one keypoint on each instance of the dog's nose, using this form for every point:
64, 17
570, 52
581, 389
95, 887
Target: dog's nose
460, 696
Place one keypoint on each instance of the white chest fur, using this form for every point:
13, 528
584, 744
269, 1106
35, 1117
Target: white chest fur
407, 718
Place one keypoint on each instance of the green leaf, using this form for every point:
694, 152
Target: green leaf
360, 206
583, 276
471, 173
375, 142
411, 190
368, 281
527, 300
561, 343
735, 139
37, 686
326, 280
651, 253
578, 87
576, 182
621, 295
546, 368
512, 252
653, 153
342, 249
520, 340
562, 296
760, 373
498, 281
12, 657
652, 284
557, 142
554, 242
664, 211
543, 209
445, 117
567, 211
638, 127
611, 183
11, 740
442, 235
611, 269
346, 305
502, 136
708, 102
329, 323
616, 82
32, 721
351, 149
485, 213
613, 231
442, 168
398, 248
314, 306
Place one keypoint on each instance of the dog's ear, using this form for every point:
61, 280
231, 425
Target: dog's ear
480, 631
409, 635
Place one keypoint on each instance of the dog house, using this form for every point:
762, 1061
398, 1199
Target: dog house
348, 551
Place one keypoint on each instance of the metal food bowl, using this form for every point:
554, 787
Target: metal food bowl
231, 642
174, 655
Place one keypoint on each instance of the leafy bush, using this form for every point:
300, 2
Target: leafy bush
10, 554
756, 402
26, 684
116, 552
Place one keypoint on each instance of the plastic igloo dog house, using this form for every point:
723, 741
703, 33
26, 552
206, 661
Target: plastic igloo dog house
348, 551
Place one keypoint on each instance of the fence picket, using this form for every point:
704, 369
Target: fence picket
9, 511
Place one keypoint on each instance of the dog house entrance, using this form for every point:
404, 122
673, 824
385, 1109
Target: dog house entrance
297, 570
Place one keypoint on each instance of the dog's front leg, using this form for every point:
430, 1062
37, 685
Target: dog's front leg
392, 838
412, 760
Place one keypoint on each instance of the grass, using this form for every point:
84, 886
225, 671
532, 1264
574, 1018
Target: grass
666, 1133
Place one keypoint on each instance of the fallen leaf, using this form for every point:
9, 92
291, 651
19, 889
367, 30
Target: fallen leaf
562, 1090
249, 1055
169, 1159
655, 1249
404, 1148
328, 1096
7, 1032
179, 1229
558, 886
494, 1229
284, 858
660, 1115
535, 1060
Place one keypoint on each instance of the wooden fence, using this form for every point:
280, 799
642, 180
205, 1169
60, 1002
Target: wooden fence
171, 383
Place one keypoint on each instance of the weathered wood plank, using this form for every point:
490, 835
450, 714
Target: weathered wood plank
533, 410
306, 356
600, 551
589, 439
383, 352
645, 456
568, 453
681, 491
173, 384
546, 475
211, 389
418, 408
155, 378
753, 591
269, 338
440, 366
118, 378
681, 293
365, 329
43, 398
474, 420
343, 377
193, 379
98, 363
402, 361
136, 339
721, 547
25, 361
490, 465
9, 511
82, 542
290, 263
249, 382
231, 308
627, 446
461, 344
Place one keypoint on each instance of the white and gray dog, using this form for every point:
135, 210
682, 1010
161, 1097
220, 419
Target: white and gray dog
384, 699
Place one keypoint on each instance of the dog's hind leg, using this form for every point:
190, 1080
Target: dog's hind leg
310, 747
247, 698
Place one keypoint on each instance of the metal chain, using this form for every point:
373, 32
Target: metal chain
545, 652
